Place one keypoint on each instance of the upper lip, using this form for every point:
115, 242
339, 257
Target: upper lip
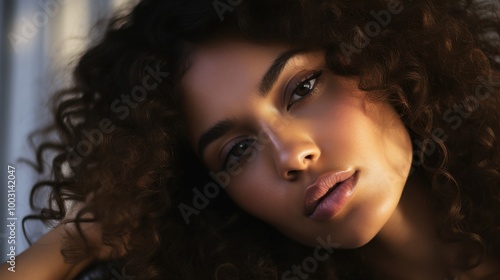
324, 183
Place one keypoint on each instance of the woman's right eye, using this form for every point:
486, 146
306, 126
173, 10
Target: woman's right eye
238, 150
303, 89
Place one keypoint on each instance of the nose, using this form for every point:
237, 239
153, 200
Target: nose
293, 150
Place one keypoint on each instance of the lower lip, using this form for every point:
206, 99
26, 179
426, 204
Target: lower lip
335, 200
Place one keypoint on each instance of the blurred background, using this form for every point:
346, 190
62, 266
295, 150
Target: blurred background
39, 44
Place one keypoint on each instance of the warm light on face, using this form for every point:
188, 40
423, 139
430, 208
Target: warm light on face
276, 120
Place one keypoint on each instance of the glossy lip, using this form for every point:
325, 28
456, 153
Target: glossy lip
329, 194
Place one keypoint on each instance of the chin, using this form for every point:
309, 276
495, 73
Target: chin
344, 240
357, 241
357, 233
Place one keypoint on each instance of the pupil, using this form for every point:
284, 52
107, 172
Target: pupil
304, 89
241, 148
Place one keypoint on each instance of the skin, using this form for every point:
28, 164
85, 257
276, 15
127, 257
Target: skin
43, 259
334, 129
282, 140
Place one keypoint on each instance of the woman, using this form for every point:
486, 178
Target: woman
281, 140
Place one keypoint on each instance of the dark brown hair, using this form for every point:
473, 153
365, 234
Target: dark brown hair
121, 142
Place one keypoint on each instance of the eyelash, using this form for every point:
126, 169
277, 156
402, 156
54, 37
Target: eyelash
233, 148
313, 77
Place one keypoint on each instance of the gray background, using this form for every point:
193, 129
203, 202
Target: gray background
51, 35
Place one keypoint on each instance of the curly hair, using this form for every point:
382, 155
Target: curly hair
122, 148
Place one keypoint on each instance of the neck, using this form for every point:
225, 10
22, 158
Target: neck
408, 242
408, 247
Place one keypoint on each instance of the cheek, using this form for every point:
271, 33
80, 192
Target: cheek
342, 130
351, 130
258, 190
371, 138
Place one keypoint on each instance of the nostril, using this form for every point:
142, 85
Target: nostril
309, 158
292, 174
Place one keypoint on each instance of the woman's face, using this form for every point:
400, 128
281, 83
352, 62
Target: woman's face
300, 148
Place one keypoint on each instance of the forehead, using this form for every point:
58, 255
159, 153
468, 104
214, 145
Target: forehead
220, 79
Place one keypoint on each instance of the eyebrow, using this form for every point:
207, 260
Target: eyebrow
275, 70
214, 133
269, 79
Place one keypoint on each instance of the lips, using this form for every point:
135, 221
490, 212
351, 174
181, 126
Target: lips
329, 194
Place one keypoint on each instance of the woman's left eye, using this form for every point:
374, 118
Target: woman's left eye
238, 150
303, 88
